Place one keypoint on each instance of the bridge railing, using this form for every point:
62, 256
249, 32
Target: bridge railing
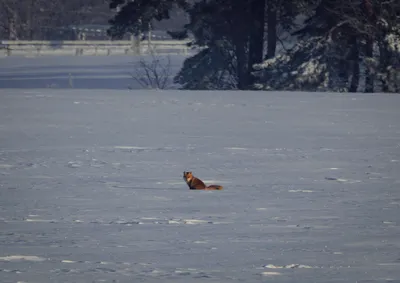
94, 47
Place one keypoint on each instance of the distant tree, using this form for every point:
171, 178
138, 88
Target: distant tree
337, 39
317, 61
9, 19
222, 62
233, 34
230, 33
256, 36
38, 19
380, 25
374, 23
136, 16
222, 27
235, 31
18, 19
153, 72
219, 25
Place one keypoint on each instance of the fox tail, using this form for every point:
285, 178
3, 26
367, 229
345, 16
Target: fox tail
214, 188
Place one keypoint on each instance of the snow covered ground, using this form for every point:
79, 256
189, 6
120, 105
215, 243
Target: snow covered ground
91, 186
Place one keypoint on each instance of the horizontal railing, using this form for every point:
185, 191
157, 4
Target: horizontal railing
91, 47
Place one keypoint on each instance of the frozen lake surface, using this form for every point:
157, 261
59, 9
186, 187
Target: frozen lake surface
91, 186
80, 72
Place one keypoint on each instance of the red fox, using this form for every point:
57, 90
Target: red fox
197, 184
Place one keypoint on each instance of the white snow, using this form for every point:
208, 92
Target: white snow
272, 266
21, 257
68, 261
269, 273
93, 191
37, 220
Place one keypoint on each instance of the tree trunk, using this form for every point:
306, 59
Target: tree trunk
369, 77
240, 39
12, 27
29, 20
256, 41
356, 66
343, 73
384, 59
271, 28
241, 67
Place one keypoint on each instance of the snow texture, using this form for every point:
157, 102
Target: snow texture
91, 186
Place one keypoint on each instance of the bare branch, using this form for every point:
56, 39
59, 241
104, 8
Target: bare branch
153, 74
281, 42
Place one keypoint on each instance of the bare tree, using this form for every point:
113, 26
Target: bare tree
153, 72
10, 19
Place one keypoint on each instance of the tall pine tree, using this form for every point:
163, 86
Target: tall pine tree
136, 16
337, 41
231, 34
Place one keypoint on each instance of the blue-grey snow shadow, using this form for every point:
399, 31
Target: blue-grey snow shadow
85, 72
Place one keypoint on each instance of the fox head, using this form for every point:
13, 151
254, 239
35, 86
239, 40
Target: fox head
187, 175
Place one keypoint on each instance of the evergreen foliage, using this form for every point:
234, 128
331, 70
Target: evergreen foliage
136, 16
342, 45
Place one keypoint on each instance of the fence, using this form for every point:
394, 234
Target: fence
99, 47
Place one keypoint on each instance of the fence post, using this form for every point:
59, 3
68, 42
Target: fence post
77, 51
8, 50
81, 48
135, 44
70, 81
132, 38
38, 48
149, 51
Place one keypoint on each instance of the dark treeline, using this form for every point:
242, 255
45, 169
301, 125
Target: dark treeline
39, 19
341, 45
45, 20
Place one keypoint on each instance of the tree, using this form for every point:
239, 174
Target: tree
225, 44
271, 28
222, 26
337, 40
9, 19
320, 59
38, 19
256, 38
153, 71
136, 16
372, 21
231, 35
384, 30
